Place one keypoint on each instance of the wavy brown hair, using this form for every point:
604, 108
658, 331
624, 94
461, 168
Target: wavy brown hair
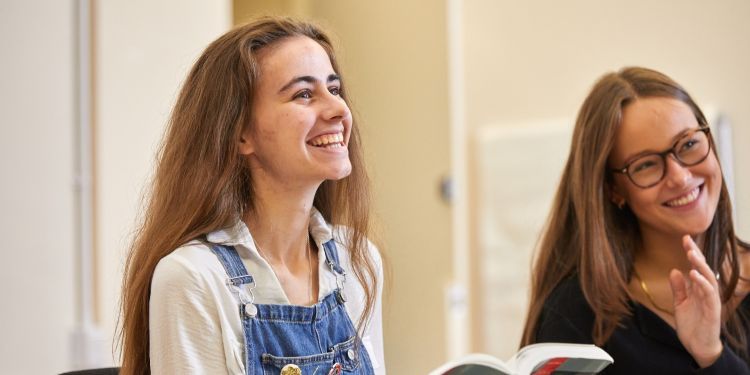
202, 183
588, 236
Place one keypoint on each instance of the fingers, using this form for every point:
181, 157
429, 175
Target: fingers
700, 284
688, 243
701, 279
679, 286
698, 261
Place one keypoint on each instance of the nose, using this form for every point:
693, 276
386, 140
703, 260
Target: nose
677, 175
335, 108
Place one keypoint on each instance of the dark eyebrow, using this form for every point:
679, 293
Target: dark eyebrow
308, 79
673, 141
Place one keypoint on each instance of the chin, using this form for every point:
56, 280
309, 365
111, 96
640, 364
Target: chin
340, 173
340, 176
693, 229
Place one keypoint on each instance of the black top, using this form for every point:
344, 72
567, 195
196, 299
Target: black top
642, 344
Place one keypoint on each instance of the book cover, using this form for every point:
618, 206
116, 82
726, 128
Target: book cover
536, 359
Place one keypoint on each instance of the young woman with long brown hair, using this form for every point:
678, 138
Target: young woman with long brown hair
253, 256
640, 254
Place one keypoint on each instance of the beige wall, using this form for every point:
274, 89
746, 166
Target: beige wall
36, 161
535, 60
246, 10
143, 52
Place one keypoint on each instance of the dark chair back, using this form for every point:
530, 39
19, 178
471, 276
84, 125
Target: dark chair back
95, 371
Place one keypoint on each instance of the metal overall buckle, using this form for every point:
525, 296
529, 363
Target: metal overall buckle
246, 299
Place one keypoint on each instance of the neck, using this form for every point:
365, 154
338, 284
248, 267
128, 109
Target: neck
660, 253
280, 220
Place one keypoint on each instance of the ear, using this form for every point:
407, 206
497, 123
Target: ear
246, 146
615, 194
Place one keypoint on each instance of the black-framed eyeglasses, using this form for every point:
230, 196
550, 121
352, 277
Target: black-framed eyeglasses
649, 169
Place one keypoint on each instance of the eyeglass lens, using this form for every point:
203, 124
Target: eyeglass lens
650, 169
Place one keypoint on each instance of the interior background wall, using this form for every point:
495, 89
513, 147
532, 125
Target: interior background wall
37, 119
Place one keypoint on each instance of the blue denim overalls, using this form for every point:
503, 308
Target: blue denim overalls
319, 339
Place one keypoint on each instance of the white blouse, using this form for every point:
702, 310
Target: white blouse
194, 324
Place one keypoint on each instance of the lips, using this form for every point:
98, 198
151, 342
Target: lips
686, 198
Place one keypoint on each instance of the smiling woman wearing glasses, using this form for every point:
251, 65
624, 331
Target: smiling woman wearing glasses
640, 255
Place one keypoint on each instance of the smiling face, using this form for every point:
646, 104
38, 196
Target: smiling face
685, 200
300, 124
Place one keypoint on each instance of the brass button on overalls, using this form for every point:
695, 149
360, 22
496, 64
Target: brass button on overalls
291, 369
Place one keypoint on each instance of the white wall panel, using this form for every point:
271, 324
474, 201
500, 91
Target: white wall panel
36, 195
518, 169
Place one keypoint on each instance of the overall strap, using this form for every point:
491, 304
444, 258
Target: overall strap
238, 277
332, 257
232, 263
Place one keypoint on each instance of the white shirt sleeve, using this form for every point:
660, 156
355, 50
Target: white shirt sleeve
184, 329
373, 337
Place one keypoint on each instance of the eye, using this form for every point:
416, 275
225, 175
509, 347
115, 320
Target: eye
335, 90
303, 94
689, 144
642, 166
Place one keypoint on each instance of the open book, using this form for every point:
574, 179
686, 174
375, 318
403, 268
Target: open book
536, 359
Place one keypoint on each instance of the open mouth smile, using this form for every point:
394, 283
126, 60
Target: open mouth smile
328, 141
685, 199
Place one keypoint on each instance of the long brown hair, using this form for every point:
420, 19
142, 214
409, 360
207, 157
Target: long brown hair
202, 183
588, 236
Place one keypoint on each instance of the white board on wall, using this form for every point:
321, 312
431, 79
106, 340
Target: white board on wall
518, 170
722, 133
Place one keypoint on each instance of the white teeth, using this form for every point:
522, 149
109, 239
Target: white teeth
689, 198
328, 140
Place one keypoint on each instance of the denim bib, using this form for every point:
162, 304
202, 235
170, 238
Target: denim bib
319, 339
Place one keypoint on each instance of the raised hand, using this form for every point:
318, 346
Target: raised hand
697, 307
